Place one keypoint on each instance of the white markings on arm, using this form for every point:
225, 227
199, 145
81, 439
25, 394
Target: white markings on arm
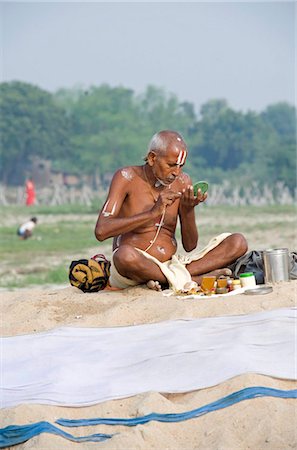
108, 213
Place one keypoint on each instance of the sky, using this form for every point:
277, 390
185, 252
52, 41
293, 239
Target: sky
243, 52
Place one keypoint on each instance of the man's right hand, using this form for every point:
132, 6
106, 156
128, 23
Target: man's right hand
166, 198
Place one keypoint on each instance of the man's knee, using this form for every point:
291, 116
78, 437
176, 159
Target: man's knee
125, 257
238, 244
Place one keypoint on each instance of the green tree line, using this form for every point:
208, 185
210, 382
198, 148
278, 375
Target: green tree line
98, 130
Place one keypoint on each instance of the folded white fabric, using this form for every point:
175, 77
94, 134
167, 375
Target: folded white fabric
83, 366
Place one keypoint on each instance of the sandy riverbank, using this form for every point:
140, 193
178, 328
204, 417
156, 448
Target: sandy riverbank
258, 424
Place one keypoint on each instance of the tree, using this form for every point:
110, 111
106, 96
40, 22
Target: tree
105, 124
281, 156
30, 125
97, 130
224, 135
282, 118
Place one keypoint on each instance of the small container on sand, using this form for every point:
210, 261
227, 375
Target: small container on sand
247, 279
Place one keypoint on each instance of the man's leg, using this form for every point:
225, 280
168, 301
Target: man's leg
130, 263
215, 261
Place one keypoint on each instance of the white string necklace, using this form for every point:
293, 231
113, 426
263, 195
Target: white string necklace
147, 180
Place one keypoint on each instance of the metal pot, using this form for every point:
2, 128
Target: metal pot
276, 265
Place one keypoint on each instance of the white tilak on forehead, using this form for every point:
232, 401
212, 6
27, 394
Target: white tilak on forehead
108, 213
181, 157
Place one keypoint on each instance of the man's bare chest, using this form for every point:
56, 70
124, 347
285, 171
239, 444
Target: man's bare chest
140, 200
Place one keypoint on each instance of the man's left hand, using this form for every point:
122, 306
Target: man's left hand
188, 199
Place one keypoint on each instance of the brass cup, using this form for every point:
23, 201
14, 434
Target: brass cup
222, 282
207, 284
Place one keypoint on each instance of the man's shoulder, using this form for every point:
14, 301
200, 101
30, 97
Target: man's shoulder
185, 178
128, 172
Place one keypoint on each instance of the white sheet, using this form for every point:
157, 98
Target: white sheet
84, 366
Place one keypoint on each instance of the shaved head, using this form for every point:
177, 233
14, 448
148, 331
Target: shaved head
162, 140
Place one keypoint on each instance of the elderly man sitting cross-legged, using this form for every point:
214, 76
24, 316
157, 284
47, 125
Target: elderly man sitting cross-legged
141, 212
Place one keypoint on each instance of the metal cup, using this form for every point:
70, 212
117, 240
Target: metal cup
276, 265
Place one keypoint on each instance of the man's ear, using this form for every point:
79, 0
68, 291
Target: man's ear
151, 157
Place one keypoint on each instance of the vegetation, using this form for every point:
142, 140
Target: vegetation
248, 158
63, 235
96, 131
60, 237
31, 124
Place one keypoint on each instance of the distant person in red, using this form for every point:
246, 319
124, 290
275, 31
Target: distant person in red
30, 192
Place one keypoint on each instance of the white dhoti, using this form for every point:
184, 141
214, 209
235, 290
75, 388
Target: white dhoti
174, 269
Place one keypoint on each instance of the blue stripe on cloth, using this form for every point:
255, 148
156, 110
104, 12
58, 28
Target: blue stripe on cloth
235, 397
16, 434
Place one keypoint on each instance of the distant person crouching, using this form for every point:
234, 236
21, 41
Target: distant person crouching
26, 229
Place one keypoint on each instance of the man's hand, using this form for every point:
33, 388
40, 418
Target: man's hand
166, 198
188, 199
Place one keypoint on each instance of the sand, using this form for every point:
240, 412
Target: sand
262, 423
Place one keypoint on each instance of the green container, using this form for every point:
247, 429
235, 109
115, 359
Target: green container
203, 185
246, 274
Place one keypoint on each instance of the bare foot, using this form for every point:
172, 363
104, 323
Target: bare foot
217, 273
154, 285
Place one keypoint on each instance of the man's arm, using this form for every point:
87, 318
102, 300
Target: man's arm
109, 224
189, 231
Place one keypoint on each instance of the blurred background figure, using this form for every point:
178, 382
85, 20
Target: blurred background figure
26, 229
30, 192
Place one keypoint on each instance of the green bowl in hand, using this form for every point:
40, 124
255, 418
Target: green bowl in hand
202, 185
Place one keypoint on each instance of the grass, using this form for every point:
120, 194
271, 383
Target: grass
65, 233
48, 209
59, 237
52, 239
55, 276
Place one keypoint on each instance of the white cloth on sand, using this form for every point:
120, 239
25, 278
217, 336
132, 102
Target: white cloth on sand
174, 269
84, 366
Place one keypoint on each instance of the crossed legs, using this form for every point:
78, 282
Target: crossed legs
132, 264
215, 261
